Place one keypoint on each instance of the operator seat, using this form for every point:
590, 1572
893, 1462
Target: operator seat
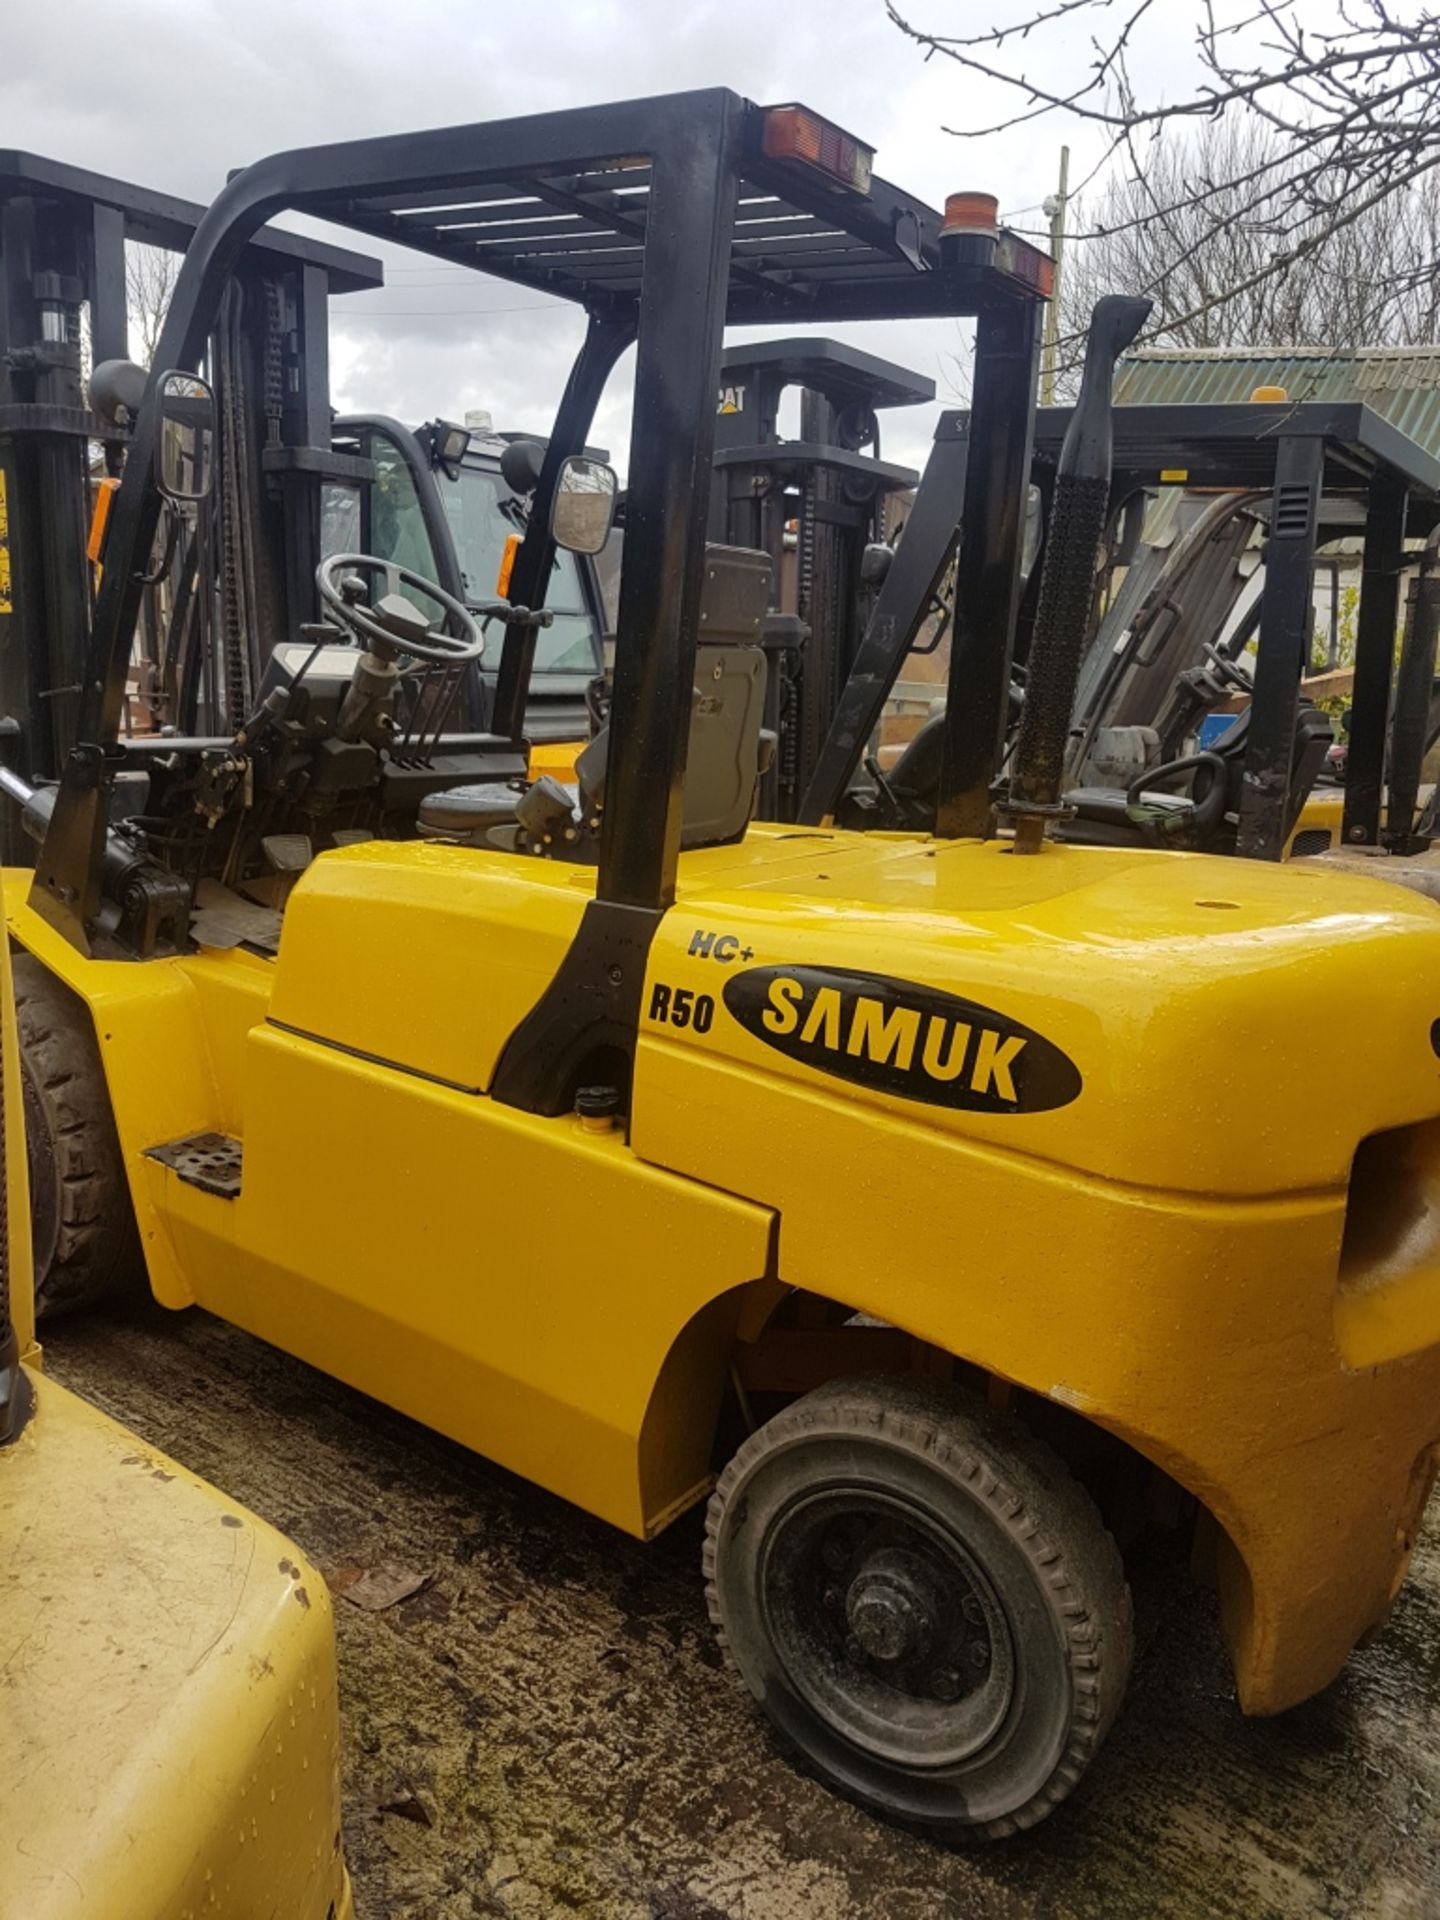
728, 748
1110, 816
1205, 820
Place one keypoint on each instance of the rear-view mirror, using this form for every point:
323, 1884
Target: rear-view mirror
187, 436
584, 506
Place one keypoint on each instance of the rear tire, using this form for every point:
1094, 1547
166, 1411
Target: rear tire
85, 1240
924, 1602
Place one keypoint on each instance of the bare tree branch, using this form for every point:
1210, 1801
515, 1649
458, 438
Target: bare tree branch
1340, 122
150, 274
1226, 263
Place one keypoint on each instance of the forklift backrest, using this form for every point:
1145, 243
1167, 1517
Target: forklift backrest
723, 758
724, 754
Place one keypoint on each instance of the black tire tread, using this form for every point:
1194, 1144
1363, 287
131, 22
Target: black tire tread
1016, 1472
97, 1247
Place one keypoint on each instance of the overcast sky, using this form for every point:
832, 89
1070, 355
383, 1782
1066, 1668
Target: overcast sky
173, 95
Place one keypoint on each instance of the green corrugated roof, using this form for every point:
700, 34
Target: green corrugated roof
1400, 383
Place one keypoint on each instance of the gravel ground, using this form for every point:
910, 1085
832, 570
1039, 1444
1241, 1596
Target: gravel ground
545, 1728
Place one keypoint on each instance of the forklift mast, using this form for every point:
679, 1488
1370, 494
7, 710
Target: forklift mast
818, 506
63, 311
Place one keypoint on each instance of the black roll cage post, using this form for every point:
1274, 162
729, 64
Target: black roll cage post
654, 254
906, 597
606, 337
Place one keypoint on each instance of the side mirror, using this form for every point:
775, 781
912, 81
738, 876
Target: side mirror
875, 562
116, 388
584, 508
187, 436
520, 465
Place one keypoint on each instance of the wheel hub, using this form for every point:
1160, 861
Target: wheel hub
888, 1626
893, 1607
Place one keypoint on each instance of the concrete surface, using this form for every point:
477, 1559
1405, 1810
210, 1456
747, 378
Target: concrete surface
546, 1730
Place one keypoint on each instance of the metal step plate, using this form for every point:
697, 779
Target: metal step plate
211, 1161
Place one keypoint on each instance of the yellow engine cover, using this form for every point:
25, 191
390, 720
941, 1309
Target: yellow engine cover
170, 1712
168, 1665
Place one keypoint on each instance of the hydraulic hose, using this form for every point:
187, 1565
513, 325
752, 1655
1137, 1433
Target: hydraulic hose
1067, 582
19, 790
121, 855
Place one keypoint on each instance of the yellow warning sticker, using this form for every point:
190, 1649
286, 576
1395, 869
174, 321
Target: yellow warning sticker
1174, 476
5, 605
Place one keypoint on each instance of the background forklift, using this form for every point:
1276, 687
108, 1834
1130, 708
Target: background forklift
1170, 632
1170, 648
803, 1108
296, 480
210, 614
822, 508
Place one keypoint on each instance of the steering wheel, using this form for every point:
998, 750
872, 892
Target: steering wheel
1229, 673
1203, 811
393, 622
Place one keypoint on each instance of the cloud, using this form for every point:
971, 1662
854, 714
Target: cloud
176, 95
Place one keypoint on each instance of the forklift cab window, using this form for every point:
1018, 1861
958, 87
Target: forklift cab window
396, 529
482, 515
397, 522
342, 526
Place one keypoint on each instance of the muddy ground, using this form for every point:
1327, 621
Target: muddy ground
546, 1729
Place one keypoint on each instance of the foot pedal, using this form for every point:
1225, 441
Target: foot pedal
210, 1161
288, 852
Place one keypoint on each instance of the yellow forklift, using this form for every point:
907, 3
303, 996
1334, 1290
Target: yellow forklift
552, 1124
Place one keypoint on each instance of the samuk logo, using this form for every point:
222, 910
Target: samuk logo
903, 1038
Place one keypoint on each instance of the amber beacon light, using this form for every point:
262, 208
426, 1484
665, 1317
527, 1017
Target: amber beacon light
969, 230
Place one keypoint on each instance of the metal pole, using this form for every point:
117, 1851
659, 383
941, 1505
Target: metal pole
605, 340
1375, 626
1056, 207
1414, 693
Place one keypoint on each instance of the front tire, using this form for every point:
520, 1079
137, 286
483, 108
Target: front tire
924, 1602
85, 1240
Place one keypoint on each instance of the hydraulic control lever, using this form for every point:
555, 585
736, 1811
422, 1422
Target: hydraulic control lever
512, 616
